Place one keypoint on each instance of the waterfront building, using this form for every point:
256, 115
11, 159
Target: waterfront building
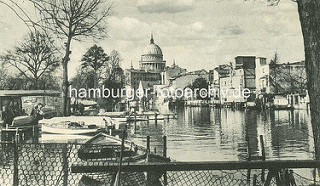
248, 65
231, 87
184, 80
262, 76
170, 72
218, 73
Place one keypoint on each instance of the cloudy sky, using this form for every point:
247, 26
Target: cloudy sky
198, 34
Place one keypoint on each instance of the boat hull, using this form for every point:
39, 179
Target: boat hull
57, 130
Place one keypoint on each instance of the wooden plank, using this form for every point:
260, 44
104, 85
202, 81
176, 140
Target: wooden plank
190, 166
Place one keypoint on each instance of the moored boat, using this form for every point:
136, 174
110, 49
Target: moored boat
23, 121
108, 148
99, 121
69, 128
105, 146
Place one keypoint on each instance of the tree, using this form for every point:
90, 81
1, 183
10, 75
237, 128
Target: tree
110, 102
200, 83
83, 79
113, 65
309, 15
72, 20
95, 58
274, 78
33, 58
3, 75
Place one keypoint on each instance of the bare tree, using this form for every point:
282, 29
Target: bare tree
3, 75
72, 20
33, 58
113, 65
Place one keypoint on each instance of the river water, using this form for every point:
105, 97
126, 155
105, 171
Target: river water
204, 134
211, 134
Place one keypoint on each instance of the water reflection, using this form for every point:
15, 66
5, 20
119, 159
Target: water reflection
208, 134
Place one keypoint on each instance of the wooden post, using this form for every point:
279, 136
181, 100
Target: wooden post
291, 178
148, 143
120, 161
254, 180
164, 146
165, 176
156, 119
15, 164
248, 148
17, 136
135, 121
263, 153
249, 156
65, 164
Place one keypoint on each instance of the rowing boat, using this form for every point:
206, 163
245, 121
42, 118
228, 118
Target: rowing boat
105, 146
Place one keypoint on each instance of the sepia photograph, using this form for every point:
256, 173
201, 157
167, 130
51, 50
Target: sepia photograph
160, 92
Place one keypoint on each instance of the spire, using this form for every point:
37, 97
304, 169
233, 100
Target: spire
174, 62
151, 40
131, 65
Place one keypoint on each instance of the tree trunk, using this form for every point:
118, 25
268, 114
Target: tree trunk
35, 83
95, 84
309, 13
65, 83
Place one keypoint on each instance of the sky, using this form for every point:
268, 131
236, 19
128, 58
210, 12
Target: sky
197, 34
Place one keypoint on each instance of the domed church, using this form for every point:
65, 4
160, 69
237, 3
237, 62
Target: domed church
151, 65
152, 58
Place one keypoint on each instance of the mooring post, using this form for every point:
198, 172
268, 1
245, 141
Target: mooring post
135, 121
17, 136
254, 180
15, 164
165, 178
120, 161
156, 118
291, 178
148, 143
263, 153
164, 146
65, 164
249, 157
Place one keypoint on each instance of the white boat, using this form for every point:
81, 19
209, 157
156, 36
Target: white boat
70, 128
112, 114
99, 121
58, 138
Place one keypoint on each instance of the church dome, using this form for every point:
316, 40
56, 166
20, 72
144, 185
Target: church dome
152, 48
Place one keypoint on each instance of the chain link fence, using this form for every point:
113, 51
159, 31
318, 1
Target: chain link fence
50, 164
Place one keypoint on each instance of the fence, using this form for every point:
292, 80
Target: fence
59, 164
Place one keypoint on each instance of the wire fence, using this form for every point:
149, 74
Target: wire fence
51, 164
